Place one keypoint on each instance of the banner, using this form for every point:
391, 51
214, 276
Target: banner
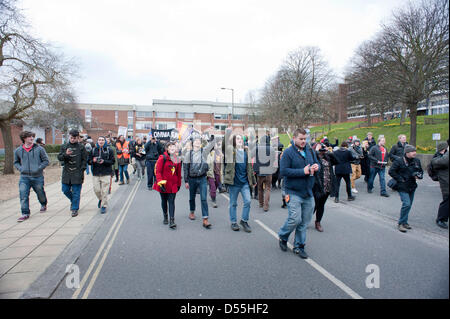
122, 131
164, 135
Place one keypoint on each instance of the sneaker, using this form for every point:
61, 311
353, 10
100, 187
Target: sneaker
246, 226
407, 226
74, 213
99, 204
385, 195
103, 210
128, 181
22, 218
300, 252
442, 224
336, 200
121, 183
235, 226
351, 198
192, 216
283, 244
214, 203
402, 228
370, 191
43, 208
354, 190
206, 223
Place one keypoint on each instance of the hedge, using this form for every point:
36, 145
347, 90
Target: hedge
52, 148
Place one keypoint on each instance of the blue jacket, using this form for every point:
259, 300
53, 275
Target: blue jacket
292, 166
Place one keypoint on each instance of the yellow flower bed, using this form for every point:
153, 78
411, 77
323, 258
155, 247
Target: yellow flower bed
426, 148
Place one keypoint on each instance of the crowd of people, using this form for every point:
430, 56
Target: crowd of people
308, 173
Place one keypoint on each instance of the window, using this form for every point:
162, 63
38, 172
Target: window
167, 115
165, 125
221, 116
144, 125
144, 114
130, 127
116, 117
220, 127
88, 116
183, 115
238, 116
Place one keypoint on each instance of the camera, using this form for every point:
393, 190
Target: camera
419, 175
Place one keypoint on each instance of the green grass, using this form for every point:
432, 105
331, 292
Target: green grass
324, 128
425, 143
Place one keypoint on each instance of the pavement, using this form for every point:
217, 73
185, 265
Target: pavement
27, 249
129, 253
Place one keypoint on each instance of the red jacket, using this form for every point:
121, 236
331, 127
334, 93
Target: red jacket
171, 172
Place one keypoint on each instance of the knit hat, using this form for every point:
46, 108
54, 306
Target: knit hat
442, 146
409, 149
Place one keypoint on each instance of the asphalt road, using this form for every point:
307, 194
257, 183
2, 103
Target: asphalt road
133, 255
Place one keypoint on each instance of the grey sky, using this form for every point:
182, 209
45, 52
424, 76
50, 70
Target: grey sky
135, 51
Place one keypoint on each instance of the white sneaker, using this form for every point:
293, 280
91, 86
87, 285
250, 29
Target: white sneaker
354, 191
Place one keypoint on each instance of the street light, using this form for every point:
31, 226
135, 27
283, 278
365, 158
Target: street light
232, 103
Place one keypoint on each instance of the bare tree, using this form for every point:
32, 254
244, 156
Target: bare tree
29, 72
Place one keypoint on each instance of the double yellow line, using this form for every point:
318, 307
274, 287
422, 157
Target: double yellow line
114, 229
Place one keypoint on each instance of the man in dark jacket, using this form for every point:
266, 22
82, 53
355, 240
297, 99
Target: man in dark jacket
370, 140
406, 170
153, 149
298, 166
264, 168
101, 158
74, 156
30, 159
379, 157
398, 149
358, 156
440, 165
343, 170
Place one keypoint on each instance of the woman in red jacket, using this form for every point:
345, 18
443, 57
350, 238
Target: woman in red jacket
168, 181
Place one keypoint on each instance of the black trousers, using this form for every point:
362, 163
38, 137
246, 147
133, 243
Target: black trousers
320, 206
443, 210
348, 184
167, 198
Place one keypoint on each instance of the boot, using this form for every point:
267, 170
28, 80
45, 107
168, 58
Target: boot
284, 203
214, 203
206, 223
319, 227
172, 223
166, 219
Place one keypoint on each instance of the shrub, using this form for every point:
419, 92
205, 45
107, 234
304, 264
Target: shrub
52, 148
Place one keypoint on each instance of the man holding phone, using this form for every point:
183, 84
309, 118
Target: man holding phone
379, 158
74, 156
101, 158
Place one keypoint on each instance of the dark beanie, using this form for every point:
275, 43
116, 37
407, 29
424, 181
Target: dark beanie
442, 146
409, 148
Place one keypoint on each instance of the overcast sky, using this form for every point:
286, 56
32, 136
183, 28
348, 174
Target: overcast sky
131, 52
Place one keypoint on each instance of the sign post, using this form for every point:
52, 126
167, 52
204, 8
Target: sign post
436, 137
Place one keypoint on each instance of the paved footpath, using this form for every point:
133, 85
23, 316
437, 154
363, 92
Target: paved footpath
27, 249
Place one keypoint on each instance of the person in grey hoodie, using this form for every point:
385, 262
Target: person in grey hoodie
358, 155
30, 159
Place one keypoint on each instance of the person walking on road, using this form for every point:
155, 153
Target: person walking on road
74, 156
379, 157
195, 172
398, 149
343, 170
298, 166
239, 177
153, 149
115, 166
139, 155
101, 158
214, 175
440, 165
358, 156
264, 167
406, 170
30, 160
365, 161
325, 185
123, 158
168, 182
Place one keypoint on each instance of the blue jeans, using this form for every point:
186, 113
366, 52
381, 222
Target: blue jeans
151, 178
27, 182
123, 169
73, 192
300, 211
407, 200
234, 192
194, 183
381, 174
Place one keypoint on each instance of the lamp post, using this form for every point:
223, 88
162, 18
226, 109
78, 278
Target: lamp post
232, 103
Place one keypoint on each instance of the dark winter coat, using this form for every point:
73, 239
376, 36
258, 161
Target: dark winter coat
403, 170
375, 156
74, 164
344, 158
365, 163
107, 155
397, 151
31, 163
170, 172
357, 152
371, 142
331, 159
153, 151
440, 165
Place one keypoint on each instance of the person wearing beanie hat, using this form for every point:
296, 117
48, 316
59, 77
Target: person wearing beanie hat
440, 163
358, 155
405, 171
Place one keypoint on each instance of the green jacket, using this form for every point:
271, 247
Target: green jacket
74, 165
230, 171
116, 163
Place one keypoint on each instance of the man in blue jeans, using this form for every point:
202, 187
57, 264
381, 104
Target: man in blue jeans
74, 156
298, 165
195, 172
379, 157
239, 177
30, 159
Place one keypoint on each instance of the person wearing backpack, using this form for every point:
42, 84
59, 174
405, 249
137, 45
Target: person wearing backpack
439, 165
168, 181
406, 170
